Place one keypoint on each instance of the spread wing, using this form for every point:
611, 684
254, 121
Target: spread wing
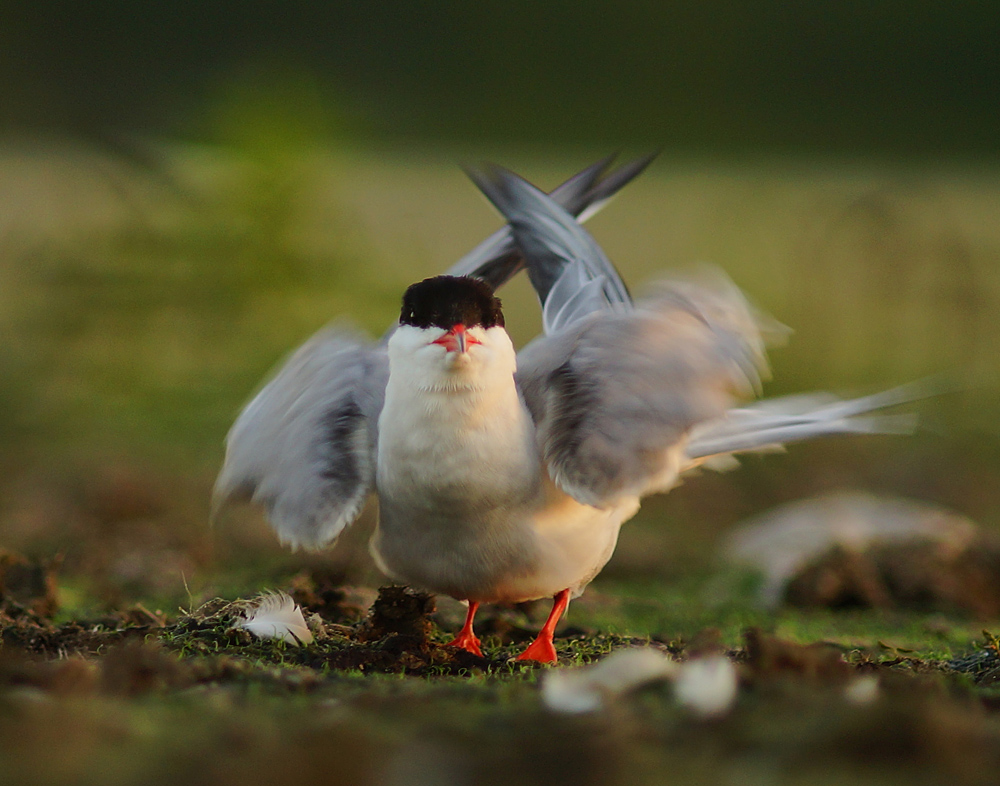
626, 396
615, 394
304, 447
615, 387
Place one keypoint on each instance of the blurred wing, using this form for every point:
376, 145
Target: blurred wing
614, 388
615, 395
772, 423
498, 258
305, 445
568, 270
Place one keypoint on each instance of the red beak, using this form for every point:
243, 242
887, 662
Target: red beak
457, 340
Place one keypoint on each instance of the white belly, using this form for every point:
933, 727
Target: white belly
573, 542
505, 554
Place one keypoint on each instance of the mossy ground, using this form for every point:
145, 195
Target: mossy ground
137, 697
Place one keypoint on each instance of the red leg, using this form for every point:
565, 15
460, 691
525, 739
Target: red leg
542, 649
466, 639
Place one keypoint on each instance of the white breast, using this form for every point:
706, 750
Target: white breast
453, 424
465, 506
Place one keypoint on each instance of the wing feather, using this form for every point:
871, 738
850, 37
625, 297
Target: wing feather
498, 259
304, 447
615, 387
615, 396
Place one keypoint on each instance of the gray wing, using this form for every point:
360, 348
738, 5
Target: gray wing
571, 274
305, 445
615, 395
498, 258
614, 388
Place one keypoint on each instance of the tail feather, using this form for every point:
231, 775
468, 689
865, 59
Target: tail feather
776, 422
765, 439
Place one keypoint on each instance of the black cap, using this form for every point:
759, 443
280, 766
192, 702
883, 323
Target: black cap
446, 301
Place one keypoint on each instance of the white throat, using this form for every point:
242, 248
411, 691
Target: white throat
453, 423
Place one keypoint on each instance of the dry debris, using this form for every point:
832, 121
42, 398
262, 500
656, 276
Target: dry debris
29, 585
856, 550
919, 576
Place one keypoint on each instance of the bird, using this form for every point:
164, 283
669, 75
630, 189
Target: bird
505, 476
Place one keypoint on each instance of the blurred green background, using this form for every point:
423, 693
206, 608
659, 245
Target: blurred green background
188, 191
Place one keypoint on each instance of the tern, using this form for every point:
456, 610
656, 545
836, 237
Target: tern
505, 476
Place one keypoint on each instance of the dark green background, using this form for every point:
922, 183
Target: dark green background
720, 75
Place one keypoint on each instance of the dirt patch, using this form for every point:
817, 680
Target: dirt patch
922, 576
818, 663
323, 592
29, 584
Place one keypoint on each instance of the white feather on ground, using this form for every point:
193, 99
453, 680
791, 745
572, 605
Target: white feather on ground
707, 687
276, 616
586, 689
862, 690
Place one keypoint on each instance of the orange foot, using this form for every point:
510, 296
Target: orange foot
540, 650
467, 640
